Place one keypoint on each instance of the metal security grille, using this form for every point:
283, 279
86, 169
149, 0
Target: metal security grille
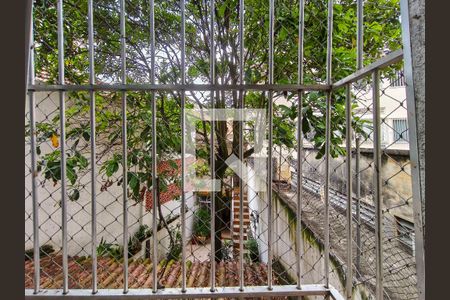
109, 211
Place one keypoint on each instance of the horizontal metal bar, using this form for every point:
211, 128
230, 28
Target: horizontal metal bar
191, 293
387, 60
178, 87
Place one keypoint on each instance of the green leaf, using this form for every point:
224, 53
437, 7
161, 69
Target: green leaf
133, 180
75, 195
86, 136
112, 167
222, 9
71, 174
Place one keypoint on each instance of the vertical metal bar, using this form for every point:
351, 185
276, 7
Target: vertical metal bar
359, 65
279, 164
329, 41
299, 187
270, 165
348, 138
124, 148
377, 185
154, 153
418, 198
301, 27
358, 204
93, 152
62, 118
241, 146
28, 39
34, 172
327, 188
359, 34
327, 142
183, 146
212, 73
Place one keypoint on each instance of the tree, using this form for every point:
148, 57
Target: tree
382, 34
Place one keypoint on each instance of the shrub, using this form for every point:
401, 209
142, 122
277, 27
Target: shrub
176, 247
135, 242
202, 225
109, 250
252, 250
43, 251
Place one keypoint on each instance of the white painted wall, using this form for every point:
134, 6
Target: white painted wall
109, 203
284, 246
392, 106
256, 204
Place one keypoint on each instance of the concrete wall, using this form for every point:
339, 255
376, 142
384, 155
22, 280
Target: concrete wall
417, 27
109, 218
284, 249
394, 193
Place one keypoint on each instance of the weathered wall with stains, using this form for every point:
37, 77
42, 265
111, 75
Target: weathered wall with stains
395, 173
284, 249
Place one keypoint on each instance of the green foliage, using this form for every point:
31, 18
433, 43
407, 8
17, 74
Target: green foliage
175, 247
382, 34
227, 249
251, 245
50, 165
44, 250
135, 242
201, 169
109, 250
202, 222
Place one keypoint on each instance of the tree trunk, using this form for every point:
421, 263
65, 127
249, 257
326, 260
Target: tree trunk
220, 207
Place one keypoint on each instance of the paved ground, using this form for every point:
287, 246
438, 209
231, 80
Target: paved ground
199, 253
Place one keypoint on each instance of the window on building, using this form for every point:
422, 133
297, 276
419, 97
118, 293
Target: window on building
400, 127
405, 232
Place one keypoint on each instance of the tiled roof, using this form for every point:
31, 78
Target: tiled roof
166, 168
140, 273
173, 191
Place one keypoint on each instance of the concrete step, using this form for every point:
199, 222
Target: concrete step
246, 221
245, 209
236, 227
245, 214
245, 218
236, 203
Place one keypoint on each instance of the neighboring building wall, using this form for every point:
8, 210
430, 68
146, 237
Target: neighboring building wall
394, 193
284, 249
392, 107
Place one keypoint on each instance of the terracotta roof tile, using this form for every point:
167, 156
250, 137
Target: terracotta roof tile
140, 273
167, 167
173, 191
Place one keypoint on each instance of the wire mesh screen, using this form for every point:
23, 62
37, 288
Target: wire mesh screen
124, 215
398, 231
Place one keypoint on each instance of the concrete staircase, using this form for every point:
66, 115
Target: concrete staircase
235, 221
